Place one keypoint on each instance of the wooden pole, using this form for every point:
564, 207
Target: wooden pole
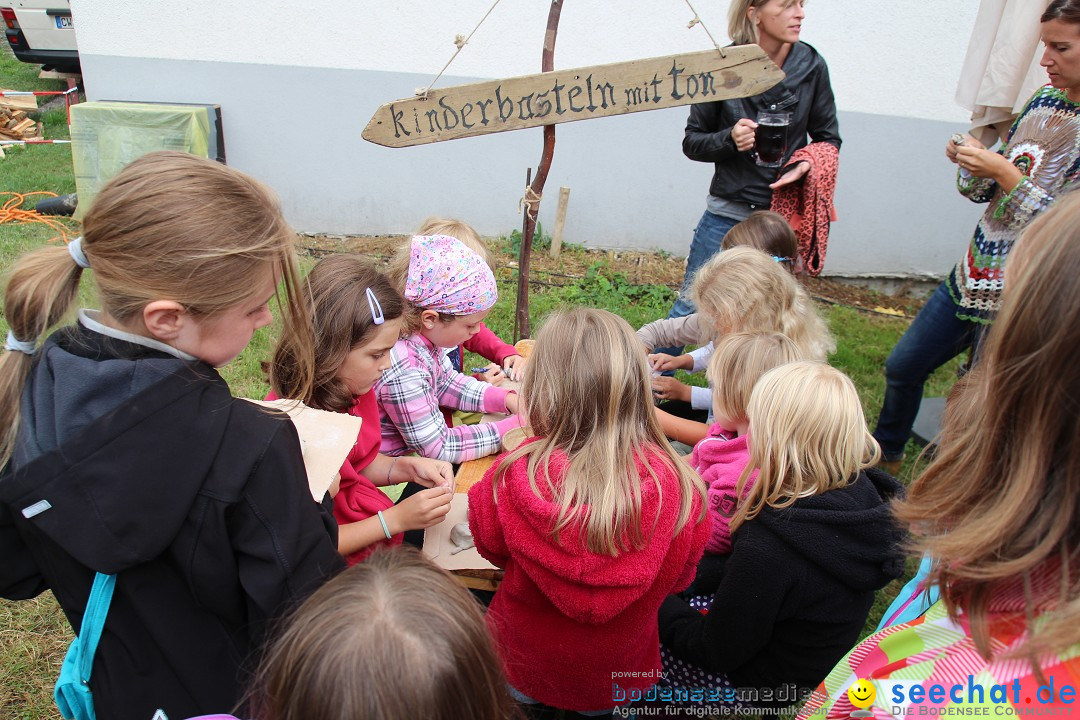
536, 188
523, 268
560, 222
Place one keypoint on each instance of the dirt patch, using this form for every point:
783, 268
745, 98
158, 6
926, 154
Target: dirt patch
636, 266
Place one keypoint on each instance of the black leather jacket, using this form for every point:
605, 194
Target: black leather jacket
805, 92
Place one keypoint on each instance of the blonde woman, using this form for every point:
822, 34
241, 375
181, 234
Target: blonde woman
999, 507
812, 540
595, 520
723, 132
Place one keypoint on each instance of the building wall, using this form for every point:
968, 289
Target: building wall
296, 88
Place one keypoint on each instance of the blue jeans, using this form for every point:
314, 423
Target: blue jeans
935, 337
708, 235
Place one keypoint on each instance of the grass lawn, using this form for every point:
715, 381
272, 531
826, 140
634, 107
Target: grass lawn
34, 634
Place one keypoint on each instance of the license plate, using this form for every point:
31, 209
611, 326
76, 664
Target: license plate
63, 22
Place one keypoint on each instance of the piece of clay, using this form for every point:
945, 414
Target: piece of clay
461, 537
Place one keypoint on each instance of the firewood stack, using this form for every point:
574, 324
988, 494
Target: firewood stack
15, 125
15, 122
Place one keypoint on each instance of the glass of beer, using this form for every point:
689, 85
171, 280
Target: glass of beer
770, 138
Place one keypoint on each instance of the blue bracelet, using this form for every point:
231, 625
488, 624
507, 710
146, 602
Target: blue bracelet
382, 521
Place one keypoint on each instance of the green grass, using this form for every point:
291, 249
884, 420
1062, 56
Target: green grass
17, 75
34, 636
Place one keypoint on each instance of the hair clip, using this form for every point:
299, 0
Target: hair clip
377, 316
777, 258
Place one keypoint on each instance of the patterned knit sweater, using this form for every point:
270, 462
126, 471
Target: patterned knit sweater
933, 650
1044, 143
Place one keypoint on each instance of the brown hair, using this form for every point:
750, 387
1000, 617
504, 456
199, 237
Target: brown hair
393, 638
600, 414
461, 231
1002, 497
169, 226
1067, 11
770, 233
337, 307
807, 435
738, 362
745, 290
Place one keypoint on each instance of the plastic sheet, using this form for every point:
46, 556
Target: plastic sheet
106, 136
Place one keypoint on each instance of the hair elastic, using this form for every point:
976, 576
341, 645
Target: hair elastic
16, 345
377, 315
382, 521
75, 249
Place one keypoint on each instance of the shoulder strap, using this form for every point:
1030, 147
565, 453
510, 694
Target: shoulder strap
97, 608
72, 692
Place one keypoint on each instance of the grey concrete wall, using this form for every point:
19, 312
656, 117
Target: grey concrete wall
298, 129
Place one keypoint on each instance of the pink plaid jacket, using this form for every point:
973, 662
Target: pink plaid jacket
420, 381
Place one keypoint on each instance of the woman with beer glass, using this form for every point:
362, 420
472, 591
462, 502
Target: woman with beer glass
750, 140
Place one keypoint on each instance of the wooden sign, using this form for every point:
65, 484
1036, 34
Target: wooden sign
578, 94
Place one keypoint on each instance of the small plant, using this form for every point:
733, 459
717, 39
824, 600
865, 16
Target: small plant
541, 240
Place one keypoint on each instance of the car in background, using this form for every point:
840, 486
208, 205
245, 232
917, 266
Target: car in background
41, 32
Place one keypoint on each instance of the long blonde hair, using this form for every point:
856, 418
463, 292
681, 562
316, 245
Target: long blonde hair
393, 638
745, 290
1002, 495
599, 413
169, 226
807, 435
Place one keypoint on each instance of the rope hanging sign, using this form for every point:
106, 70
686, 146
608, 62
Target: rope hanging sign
576, 94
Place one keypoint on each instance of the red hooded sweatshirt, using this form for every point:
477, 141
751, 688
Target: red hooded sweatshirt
571, 625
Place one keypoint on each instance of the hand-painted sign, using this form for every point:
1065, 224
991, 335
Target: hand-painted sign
576, 94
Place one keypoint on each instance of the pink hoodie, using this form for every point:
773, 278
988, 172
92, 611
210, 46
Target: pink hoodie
720, 461
568, 622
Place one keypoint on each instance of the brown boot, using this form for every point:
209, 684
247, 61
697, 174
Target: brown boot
891, 466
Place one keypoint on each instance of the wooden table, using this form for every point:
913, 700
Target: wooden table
468, 474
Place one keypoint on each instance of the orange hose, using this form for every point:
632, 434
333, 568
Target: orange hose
12, 212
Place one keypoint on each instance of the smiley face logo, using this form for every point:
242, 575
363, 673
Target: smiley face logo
862, 694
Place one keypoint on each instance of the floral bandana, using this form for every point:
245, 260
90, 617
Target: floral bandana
447, 277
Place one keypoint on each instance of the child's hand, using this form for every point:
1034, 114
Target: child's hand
424, 471
421, 511
515, 367
661, 362
493, 374
668, 388
512, 403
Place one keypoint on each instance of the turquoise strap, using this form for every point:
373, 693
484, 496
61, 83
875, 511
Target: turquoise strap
97, 608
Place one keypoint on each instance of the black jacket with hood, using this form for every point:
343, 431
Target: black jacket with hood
805, 92
796, 588
142, 464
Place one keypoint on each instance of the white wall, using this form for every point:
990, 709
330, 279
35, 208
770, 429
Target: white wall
893, 58
327, 66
